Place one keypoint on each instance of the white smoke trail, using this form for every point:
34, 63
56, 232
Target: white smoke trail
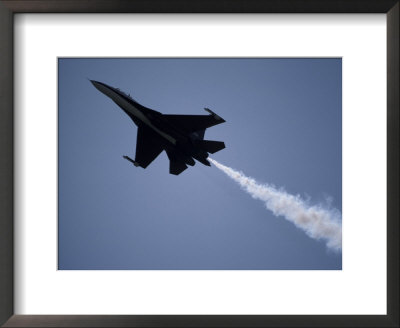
316, 221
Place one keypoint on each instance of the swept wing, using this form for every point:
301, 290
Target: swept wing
148, 146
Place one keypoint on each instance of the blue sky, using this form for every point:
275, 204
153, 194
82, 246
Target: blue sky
283, 127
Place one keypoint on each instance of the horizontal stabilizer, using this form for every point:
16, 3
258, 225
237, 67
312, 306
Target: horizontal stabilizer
211, 146
176, 167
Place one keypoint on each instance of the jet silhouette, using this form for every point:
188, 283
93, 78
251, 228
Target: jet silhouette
181, 136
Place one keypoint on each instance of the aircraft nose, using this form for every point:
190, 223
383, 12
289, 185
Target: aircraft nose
97, 85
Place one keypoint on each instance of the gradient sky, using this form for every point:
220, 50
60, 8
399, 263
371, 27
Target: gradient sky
283, 127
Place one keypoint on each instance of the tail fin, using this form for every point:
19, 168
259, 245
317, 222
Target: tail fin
211, 146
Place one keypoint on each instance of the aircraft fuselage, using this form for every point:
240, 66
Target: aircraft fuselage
173, 138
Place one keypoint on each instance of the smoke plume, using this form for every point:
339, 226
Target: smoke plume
317, 221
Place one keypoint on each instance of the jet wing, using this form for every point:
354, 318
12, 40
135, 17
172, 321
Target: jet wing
193, 123
148, 146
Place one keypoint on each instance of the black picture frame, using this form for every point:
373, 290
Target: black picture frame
10, 7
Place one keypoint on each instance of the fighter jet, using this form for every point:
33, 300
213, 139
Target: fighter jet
181, 136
